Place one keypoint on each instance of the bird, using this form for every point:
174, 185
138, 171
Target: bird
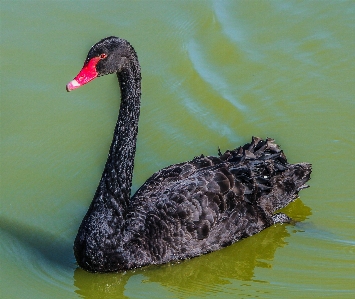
183, 210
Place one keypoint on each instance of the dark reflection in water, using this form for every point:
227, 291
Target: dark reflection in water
50, 248
202, 274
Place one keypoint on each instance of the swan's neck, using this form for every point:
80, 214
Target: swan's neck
116, 181
103, 222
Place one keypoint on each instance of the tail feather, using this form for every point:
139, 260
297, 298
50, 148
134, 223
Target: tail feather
264, 166
286, 187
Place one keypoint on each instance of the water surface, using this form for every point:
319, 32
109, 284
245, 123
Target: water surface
214, 73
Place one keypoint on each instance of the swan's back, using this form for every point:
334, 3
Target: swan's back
199, 206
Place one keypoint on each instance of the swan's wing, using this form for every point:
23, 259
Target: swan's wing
199, 206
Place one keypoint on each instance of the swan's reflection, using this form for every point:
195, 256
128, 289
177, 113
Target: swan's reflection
199, 275
54, 249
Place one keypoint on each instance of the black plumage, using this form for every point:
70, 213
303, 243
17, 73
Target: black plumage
184, 210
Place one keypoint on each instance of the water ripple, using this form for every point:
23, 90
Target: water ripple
204, 69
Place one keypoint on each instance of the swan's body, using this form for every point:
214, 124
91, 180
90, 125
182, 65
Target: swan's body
183, 210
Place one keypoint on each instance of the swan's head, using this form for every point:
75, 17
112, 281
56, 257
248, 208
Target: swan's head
108, 56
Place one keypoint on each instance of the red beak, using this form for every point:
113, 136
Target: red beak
87, 73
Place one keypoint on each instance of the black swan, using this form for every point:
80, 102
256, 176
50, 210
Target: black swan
184, 210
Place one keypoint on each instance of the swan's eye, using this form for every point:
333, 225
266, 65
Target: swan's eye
103, 55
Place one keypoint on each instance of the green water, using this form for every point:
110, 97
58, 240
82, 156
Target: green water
214, 73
